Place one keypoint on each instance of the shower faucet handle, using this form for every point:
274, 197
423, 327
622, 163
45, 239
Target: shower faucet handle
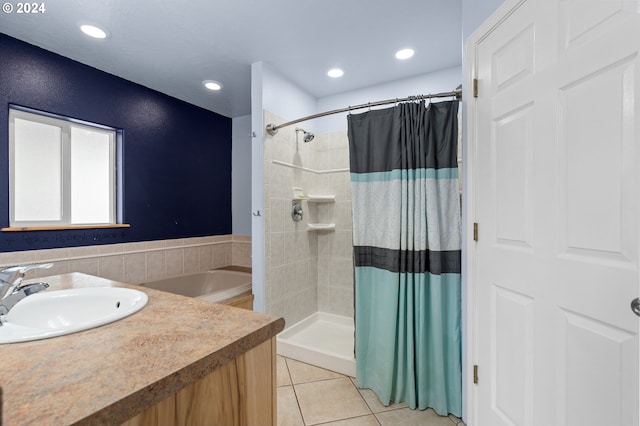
296, 211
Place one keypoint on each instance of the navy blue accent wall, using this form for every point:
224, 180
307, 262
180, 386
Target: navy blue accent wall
176, 156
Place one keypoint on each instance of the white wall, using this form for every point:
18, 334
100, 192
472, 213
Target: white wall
257, 188
285, 99
241, 175
440, 81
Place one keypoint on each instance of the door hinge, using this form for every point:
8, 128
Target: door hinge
475, 231
475, 374
475, 87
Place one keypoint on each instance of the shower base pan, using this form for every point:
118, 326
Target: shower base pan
324, 340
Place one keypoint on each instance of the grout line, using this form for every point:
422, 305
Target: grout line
288, 372
295, 393
321, 380
346, 418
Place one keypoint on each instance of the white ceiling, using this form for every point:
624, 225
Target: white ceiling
173, 45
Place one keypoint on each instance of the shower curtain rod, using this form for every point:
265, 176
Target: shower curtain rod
272, 129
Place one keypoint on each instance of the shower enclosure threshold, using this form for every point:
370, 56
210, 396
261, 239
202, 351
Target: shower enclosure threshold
322, 339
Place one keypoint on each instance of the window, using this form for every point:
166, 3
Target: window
62, 172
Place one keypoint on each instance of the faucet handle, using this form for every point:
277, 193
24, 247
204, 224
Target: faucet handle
25, 268
11, 278
14, 274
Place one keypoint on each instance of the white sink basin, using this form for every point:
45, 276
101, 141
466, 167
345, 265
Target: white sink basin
56, 313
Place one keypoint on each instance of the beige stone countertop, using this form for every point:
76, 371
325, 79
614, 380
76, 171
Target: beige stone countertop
111, 373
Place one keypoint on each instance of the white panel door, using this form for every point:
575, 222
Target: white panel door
555, 135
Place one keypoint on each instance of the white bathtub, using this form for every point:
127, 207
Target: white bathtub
213, 286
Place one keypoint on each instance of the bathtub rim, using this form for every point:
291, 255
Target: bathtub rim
220, 296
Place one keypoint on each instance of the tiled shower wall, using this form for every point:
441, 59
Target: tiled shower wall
305, 271
335, 249
136, 263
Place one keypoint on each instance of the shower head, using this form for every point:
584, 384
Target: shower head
308, 136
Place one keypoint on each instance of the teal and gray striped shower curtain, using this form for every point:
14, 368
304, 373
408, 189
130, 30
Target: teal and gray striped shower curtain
406, 237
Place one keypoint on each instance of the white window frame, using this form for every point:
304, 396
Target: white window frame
65, 124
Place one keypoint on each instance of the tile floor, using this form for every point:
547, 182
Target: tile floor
309, 395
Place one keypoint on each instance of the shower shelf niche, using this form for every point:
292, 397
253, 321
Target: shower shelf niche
321, 227
321, 198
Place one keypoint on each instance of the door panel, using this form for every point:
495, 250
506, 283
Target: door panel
583, 21
512, 331
514, 60
512, 162
594, 378
556, 198
591, 141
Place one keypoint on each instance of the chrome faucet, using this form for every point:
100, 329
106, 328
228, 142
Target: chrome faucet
10, 290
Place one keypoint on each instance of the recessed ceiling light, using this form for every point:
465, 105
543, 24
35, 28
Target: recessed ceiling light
212, 85
93, 31
404, 54
335, 73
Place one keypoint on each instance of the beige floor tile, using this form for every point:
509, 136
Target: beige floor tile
330, 400
374, 403
303, 373
355, 421
282, 374
456, 420
409, 417
288, 410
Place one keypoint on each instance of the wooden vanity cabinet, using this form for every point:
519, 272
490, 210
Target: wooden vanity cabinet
241, 392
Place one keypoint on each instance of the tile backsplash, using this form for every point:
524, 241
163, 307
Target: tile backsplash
140, 262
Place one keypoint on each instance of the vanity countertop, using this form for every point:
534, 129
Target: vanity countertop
111, 373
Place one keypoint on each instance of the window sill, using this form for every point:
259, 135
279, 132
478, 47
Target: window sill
63, 227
